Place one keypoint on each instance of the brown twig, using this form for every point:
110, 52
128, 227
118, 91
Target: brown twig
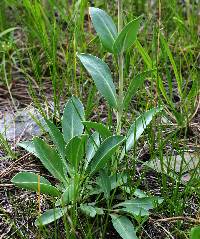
10, 168
180, 218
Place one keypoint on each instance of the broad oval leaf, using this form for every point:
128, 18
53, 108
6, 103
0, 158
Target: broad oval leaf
50, 159
57, 138
123, 226
118, 179
138, 127
50, 216
104, 26
28, 146
135, 211
30, 181
75, 150
146, 203
104, 183
70, 195
127, 36
132, 191
91, 210
99, 127
73, 116
92, 146
101, 75
115, 180
104, 152
139, 193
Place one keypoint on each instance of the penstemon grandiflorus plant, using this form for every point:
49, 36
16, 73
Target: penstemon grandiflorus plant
115, 42
84, 152
81, 162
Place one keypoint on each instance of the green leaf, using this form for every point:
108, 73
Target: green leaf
136, 211
195, 232
145, 203
139, 193
50, 216
57, 138
75, 150
101, 75
30, 181
92, 146
138, 127
104, 152
91, 210
88, 210
50, 159
127, 36
134, 85
104, 183
115, 180
72, 116
69, 195
99, 127
28, 146
104, 26
118, 179
123, 226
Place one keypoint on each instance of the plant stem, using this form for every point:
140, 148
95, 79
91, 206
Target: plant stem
120, 66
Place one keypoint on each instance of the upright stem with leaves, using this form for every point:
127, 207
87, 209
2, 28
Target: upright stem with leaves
86, 152
121, 66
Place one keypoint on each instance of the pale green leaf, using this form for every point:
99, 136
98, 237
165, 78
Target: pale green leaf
101, 75
88, 210
75, 150
73, 116
69, 195
138, 127
123, 226
145, 203
28, 146
104, 27
104, 152
104, 183
127, 36
91, 210
50, 159
139, 193
34, 182
135, 211
118, 179
57, 138
99, 127
92, 146
50, 216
